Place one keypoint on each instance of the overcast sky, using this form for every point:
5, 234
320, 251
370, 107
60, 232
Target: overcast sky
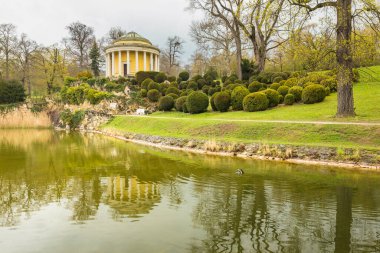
45, 20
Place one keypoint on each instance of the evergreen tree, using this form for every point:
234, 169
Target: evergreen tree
95, 59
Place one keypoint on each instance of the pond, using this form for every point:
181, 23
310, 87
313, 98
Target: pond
76, 192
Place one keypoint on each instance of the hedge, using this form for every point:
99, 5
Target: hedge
257, 101
273, 97
11, 92
313, 93
142, 75
237, 96
154, 95
166, 103
179, 103
222, 101
197, 102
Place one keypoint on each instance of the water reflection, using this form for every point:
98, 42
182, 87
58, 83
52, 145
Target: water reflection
272, 208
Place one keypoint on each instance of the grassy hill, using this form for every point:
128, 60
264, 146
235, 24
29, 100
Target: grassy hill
231, 126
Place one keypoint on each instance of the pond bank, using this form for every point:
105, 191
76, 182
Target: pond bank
326, 156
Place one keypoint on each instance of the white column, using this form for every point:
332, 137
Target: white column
144, 61
128, 64
107, 64
137, 61
151, 62
155, 63
120, 70
113, 64
158, 63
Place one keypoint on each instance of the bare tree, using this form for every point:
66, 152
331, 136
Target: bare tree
26, 49
366, 11
80, 42
115, 33
174, 49
8, 45
213, 8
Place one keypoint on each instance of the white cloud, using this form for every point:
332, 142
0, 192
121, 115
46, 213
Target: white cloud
45, 20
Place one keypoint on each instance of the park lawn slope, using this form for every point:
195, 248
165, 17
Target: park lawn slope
341, 136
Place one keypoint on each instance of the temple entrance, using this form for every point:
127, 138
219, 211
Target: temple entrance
125, 65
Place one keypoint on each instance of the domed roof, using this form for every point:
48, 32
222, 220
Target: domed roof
133, 37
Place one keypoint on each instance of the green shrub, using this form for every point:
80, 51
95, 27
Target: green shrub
179, 103
11, 92
145, 83
222, 101
296, 91
212, 101
201, 82
289, 99
291, 82
237, 96
183, 85
205, 89
313, 93
327, 91
173, 95
280, 99
192, 85
160, 77
166, 103
184, 107
143, 93
154, 95
255, 86
356, 75
273, 97
68, 80
283, 90
184, 75
330, 83
278, 79
231, 86
275, 86
112, 86
154, 86
172, 90
172, 79
197, 102
257, 101
143, 75
72, 119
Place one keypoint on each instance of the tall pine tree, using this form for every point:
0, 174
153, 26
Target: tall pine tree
95, 58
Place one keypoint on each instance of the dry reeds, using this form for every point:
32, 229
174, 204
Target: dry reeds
23, 118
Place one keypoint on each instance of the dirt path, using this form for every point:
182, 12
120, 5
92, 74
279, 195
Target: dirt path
267, 121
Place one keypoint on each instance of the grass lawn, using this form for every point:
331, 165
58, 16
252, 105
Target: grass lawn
205, 126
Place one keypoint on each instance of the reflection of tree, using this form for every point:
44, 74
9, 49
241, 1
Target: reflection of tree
85, 206
343, 219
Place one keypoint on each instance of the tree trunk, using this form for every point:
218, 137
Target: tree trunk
260, 58
344, 59
343, 220
238, 51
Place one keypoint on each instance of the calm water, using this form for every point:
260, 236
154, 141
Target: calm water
86, 193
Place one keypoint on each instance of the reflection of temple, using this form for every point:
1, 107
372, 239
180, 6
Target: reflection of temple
130, 197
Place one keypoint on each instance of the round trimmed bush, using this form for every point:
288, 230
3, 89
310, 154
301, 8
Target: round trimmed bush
179, 103
172, 90
173, 95
237, 96
257, 101
184, 75
296, 91
154, 95
291, 82
192, 85
184, 108
275, 86
283, 90
166, 103
255, 86
222, 101
153, 86
143, 93
273, 97
330, 83
205, 89
278, 79
212, 99
146, 83
197, 102
201, 82
327, 90
161, 77
289, 99
281, 99
313, 93
232, 86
